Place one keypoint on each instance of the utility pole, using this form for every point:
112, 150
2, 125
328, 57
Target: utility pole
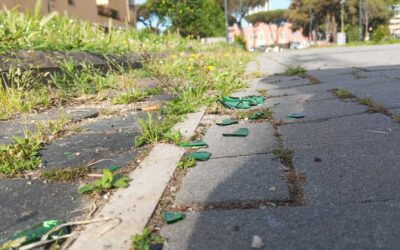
310, 22
342, 16
226, 21
359, 20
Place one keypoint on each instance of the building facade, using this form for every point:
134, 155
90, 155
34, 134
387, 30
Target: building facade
121, 12
264, 35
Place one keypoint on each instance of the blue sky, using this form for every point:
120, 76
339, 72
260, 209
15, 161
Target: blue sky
275, 4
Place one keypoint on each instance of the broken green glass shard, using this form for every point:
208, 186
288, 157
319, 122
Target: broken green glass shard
193, 144
199, 156
226, 122
242, 103
296, 115
241, 132
114, 168
172, 217
35, 233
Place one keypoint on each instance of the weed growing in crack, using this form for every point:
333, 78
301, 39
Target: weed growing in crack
343, 93
365, 101
66, 174
21, 155
185, 163
396, 118
127, 98
285, 155
107, 182
262, 92
295, 71
153, 131
144, 240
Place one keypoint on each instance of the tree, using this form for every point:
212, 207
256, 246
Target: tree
149, 18
267, 17
198, 18
239, 8
325, 14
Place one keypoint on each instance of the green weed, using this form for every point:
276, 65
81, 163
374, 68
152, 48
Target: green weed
343, 93
107, 182
66, 174
185, 163
365, 101
285, 155
144, 240
21, 155
295, 71
396, 118
134, 96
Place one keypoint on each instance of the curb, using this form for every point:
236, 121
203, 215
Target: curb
135, 205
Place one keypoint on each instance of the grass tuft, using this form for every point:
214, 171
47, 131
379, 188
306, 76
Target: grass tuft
295, 71
66, 174
343, 93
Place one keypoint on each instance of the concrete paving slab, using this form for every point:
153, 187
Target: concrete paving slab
323, 109
115, 124
260, 140
358, 158
299, 98
355, 226
385, 93
235, 179
133, 205
24, 204
189, 125
87, 148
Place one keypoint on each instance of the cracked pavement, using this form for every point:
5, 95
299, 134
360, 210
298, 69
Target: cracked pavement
340, 189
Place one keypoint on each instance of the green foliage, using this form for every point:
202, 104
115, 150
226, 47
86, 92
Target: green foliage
343, 93
66, 174
382, 32
365, 101
295, 71
134, 96
351, 33
240, 41
153, 131
144, 240
21, 155
272, 16
108, 181
396, 118
185, 163
201, 18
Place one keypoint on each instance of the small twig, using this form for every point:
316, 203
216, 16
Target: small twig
44, 242
378, 132
74, 223
95, 175
94, 163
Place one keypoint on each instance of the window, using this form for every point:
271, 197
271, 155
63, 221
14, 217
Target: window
107, 12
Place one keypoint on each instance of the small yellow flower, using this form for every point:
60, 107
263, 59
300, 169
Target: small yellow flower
210, 68
190, 68
174, 56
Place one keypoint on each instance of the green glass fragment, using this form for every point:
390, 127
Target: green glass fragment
199, 156
226, 122
296, 115
242, 103
36, 232
172, 217
241, 132
114, 168
193, 144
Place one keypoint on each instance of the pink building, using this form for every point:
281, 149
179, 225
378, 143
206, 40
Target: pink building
268, 35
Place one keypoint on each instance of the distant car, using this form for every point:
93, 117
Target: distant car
261, 48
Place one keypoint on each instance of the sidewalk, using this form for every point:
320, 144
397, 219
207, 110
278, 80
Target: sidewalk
338, 191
